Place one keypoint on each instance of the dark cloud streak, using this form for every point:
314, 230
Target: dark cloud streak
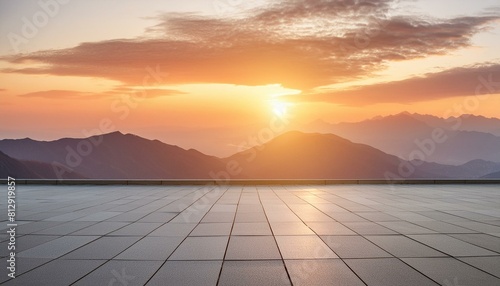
449, 83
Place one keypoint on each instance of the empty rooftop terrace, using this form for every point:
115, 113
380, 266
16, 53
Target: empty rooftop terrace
255, 235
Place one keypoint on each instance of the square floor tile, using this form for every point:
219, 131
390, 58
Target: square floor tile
212, 229
321, 272
201, 248
252, 248
304, 247
450, 271
290, 228
402, 246
354, 247
251, 228
57, 247
489, 264
103, 248
151, 248
58, 272
137, 229
367, 228
121, 273
330, 228
258, 273
187, 273
173, 229
387, 272
451, 245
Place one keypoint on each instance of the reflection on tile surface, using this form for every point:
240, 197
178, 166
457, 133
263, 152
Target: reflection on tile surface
258, 235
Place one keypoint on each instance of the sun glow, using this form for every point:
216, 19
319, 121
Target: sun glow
280, 108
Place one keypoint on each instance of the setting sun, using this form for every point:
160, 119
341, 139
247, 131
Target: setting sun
280, 108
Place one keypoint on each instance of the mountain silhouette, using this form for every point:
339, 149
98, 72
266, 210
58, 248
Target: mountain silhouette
495, 175
116, 156
30, 169
292, 155
405, 133
315, 156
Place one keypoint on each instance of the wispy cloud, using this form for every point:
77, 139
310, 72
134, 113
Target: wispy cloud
300, 44
72, 94
57, 94
449, 83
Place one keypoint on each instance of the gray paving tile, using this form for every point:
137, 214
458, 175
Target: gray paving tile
57, 247
450, 245
479, 226
387, 272
366, 228
252, 248
449, 271
405, 227
377, 216
480, 239
291, 228
26, 242
201, 248
321, 272
127, 217
409, 216
57, 272
26, 265
101, 228
187, 273
158, 217
137, 229
121, 272
468, 214
354, 247
471, 215
99, 216
250, 217
218, 217
330, 228
212, 229
443, 227
63, 217
346, 217
103, 248
224, 208
316, 216
35, 226
304, 247
174, 229
65, 228
402, 246
438, 215
489, 264
251, 228
247, 273
151, 248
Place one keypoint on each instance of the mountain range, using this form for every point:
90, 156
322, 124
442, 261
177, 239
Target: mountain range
114, 156
292, 155
413, 136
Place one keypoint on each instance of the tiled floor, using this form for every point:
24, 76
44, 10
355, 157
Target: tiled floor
265, 235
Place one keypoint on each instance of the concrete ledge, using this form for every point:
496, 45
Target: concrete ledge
254, 182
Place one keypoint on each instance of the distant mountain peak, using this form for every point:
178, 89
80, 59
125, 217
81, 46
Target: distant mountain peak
405, 113
114, 133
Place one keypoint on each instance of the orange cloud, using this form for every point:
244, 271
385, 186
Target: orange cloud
72, 94
299, 44
455, 82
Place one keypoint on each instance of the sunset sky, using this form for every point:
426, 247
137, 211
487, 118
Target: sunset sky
207, 74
